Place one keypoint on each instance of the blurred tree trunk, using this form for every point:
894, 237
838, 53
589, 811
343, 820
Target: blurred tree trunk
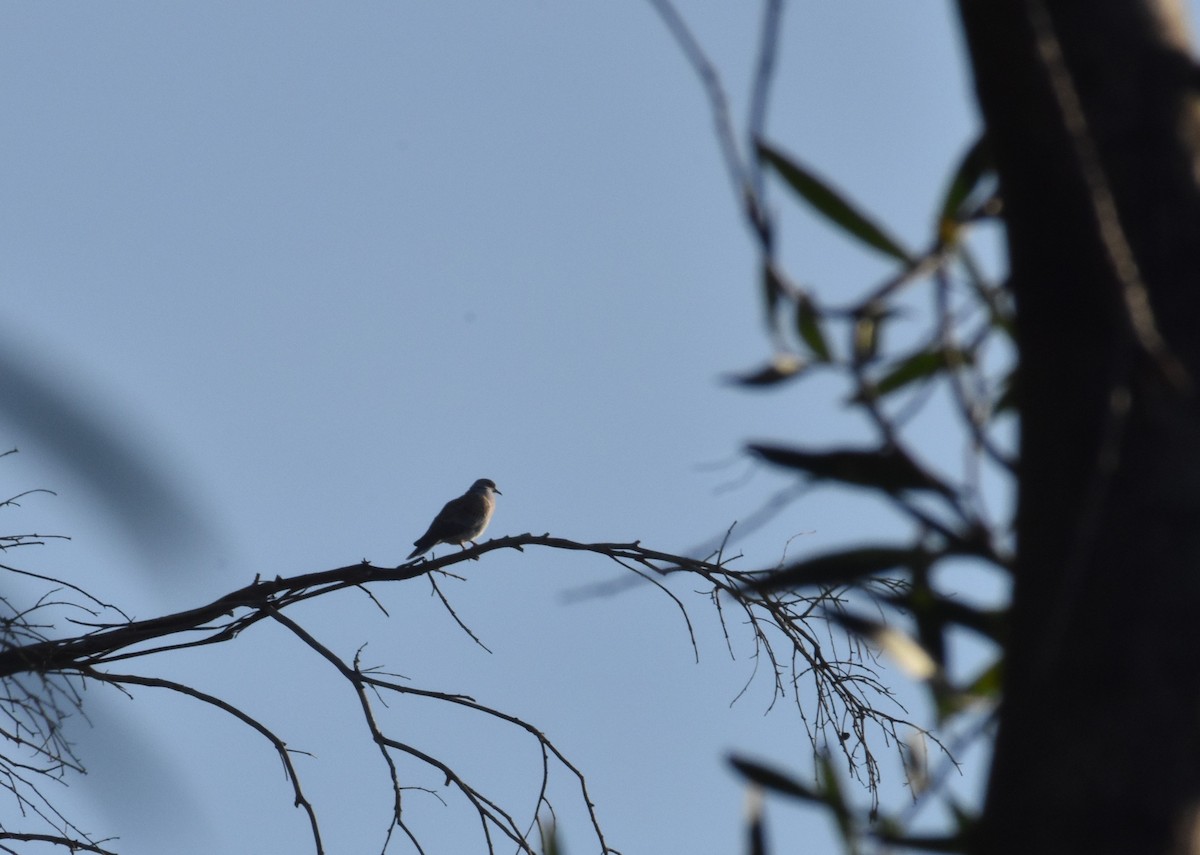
1091, 110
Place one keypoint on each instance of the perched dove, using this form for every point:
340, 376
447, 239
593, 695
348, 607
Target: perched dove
462, 520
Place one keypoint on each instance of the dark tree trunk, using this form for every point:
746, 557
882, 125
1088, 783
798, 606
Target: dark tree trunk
1099, 742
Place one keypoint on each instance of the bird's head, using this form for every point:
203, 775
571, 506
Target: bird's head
485, 486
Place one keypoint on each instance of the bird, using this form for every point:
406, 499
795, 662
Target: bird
462, 519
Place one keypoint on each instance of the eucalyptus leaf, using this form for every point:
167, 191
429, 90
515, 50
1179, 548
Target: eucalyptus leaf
784, 366
888, 469
808, 327
772, 779
844, 567
975, 166
922, 366
833, 205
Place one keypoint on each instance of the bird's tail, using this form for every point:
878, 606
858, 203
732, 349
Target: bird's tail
422, 545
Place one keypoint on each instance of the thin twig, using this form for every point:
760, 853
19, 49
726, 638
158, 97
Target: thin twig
280, 746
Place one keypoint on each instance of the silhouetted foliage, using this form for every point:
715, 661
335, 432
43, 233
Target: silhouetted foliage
1089, 162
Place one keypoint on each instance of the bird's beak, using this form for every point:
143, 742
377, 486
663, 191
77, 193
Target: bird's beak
497, 492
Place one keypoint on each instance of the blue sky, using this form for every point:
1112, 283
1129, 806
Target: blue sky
326, 264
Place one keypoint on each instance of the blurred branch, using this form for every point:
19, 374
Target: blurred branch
104, 452
745, 176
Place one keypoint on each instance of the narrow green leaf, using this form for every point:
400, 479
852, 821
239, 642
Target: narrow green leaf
889, 469
833, 796
975, 165
1008, 399
988, 683
953, 843
869, 320
843, 567
990, 623
774, 289
833, 205
773, 779
931, 624
921, 366
783, 366
808, 327
550, 841
757, 843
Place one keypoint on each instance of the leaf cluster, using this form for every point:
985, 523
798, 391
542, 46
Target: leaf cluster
955, 355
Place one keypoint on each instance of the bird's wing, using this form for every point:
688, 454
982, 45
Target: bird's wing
459, 516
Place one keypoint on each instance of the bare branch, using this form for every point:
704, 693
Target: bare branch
454, 614
280, 746
70, 843
847, 696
